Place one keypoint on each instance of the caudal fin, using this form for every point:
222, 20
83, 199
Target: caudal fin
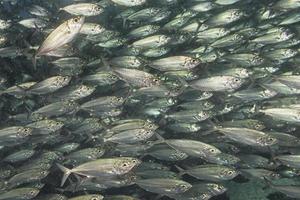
181, 171
66, 172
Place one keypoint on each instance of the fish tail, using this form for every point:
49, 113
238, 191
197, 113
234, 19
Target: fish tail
184, 85
181, 171
34, 61
160, 139
66, 172
268, 182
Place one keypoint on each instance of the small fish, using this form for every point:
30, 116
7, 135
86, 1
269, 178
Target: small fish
225, 17
150, 14
137, 78
130, 137
19, 156
164, 186
28, 176
289, 160
289, 190
33, 23
91, 29
291, 115
260, 173
38, 11
20, 194
215, 173
49, 85
129, 3
83, 9
131, 62
192, 148
54, 109
175, 63
84, 155
88, 197
102, 167
217, 83
61, 36
166, 153
248, 136
153, 41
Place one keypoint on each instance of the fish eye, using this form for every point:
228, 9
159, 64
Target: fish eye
257, 126
230, 172
182, 186
207, 104
26, 130
212, 150
204, 196
124, 165
99, 150
76, 19
271, 139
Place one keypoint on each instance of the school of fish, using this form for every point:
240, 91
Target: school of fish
149, 99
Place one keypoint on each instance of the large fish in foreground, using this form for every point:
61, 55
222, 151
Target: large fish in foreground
62, 35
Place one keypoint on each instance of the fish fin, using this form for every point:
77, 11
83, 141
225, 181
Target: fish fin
184, 85
106, 64
66, 172
181, 170
215, 127
34, 58
268, 182
159, 140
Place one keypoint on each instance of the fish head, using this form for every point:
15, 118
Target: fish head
51, 124
150, 126
191, 62
23, 132
217, 188
137, 2
43, 173
234, 82
85, 89
181, 187
229, 173
31, 193
117, 100
95, 197
152, 81
76, 22
266, 140
211, 150
208, 104
97, 152
256, 125
163, 39
124, 165
244, 73
96, 9
62, 80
